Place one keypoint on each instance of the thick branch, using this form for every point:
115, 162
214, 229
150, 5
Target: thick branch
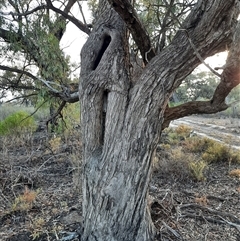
230, 78
139, 33
190, 108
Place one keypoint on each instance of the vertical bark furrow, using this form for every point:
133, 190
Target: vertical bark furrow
118, 147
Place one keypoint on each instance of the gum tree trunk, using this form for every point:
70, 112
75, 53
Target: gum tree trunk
122, 121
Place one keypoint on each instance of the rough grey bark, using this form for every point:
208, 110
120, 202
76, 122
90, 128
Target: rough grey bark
122, 121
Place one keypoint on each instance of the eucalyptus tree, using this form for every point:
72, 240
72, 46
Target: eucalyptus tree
122, 115
33, 64
127, 77
199, 85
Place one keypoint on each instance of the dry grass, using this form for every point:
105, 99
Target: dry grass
235, 173
39, 180
43, 173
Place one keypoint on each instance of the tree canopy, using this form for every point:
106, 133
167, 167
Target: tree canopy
34, 65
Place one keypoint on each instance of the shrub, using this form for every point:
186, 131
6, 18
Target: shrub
24, 201
197, 168
210, 150
17, 123
197, 144
179, 134
218, 152
183, 131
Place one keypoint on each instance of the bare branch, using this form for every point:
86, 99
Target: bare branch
3, 67
58, 112
139, 33
66, 94
21, 97
63, 13
38, 8
230, 78
75, 21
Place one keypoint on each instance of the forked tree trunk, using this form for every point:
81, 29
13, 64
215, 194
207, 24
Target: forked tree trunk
117, 153
122, 122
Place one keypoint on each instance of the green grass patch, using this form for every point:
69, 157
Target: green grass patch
17, 123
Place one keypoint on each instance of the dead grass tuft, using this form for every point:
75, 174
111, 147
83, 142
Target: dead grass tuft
235, 173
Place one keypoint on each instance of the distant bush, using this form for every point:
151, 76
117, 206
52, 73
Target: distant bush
183, 155
8, 109
178, 134
218, 152
17, 123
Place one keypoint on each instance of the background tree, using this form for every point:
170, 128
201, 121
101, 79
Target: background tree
200, 85
127, 78
33, 64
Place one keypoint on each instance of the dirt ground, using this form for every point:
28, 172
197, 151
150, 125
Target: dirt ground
225, 130
40, 198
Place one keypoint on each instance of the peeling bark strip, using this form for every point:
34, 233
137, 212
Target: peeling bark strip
122, 122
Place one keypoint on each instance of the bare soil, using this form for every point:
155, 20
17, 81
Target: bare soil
225, 130
40, 196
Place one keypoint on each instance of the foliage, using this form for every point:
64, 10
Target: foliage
218, 152
203, 88
37, 67
17, 123
189, 155
197, 169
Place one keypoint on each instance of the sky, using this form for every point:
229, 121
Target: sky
74, 39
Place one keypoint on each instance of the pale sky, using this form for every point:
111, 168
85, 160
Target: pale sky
74, 39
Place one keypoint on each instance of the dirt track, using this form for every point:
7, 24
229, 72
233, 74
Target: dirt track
219, 129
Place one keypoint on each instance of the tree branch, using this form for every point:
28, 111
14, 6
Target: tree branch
75, 21
139, 33
66, 95
230, 78
19, 71
63, 13
38, 8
